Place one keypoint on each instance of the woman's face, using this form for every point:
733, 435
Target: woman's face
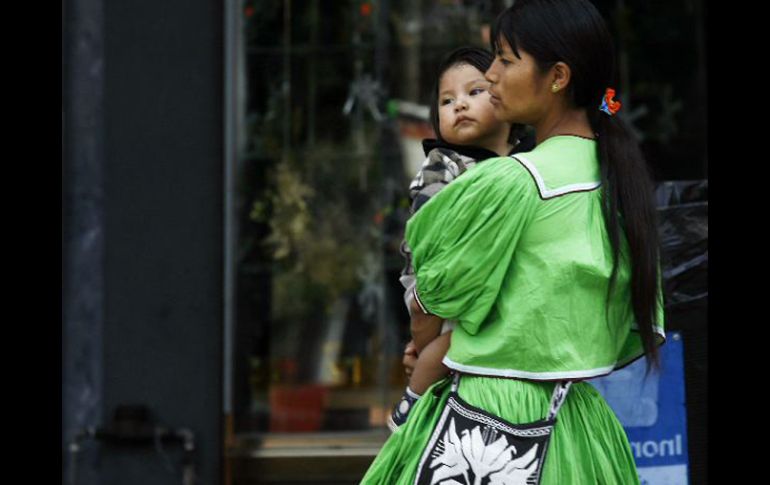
519, 92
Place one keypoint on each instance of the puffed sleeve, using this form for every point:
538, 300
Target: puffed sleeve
464, 237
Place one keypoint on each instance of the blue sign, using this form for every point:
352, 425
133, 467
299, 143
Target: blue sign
652, 411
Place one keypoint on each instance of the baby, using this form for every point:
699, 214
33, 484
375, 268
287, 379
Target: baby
467, 133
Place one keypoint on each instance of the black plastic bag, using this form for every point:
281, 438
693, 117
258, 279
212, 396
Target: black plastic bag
683, 227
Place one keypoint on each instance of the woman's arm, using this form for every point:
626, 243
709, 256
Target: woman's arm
424, 327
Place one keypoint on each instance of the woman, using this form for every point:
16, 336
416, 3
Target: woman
549, 264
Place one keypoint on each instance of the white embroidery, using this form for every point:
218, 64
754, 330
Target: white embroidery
467, 457
518, 471
451, 458
467, 451
495, 423
559, 395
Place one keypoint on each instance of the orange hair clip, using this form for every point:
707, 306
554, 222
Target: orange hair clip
609, 105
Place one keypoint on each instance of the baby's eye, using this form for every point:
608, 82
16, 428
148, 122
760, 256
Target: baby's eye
445, 101
477, 91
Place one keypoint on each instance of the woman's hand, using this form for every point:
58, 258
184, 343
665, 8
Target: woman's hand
410, 358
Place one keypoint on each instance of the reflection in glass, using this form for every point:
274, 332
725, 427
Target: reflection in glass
336, 97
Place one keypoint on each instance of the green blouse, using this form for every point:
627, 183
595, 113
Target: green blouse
516, 251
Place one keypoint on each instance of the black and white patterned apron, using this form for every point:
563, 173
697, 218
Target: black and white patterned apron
470, 446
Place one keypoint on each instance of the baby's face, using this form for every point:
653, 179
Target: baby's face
466, 116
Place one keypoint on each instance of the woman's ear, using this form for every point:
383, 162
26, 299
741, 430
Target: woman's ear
560, 75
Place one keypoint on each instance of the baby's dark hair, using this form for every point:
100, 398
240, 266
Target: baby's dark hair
477, 57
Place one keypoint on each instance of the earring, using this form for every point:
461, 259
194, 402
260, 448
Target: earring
555, 87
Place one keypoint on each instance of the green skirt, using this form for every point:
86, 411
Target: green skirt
588, 445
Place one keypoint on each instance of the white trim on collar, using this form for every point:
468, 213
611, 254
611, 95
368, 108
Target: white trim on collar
546, 193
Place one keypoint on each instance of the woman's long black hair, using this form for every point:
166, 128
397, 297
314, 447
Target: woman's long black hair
573, 32
477, 57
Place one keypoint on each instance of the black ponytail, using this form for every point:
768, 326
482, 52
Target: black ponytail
573, 32
629, 192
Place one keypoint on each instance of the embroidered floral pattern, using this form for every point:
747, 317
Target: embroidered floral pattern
476, 457
470, 446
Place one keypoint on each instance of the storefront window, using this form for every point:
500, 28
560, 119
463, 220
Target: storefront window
327, 107
336, 105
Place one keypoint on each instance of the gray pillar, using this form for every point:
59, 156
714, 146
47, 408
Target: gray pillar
142, 190
82, 225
